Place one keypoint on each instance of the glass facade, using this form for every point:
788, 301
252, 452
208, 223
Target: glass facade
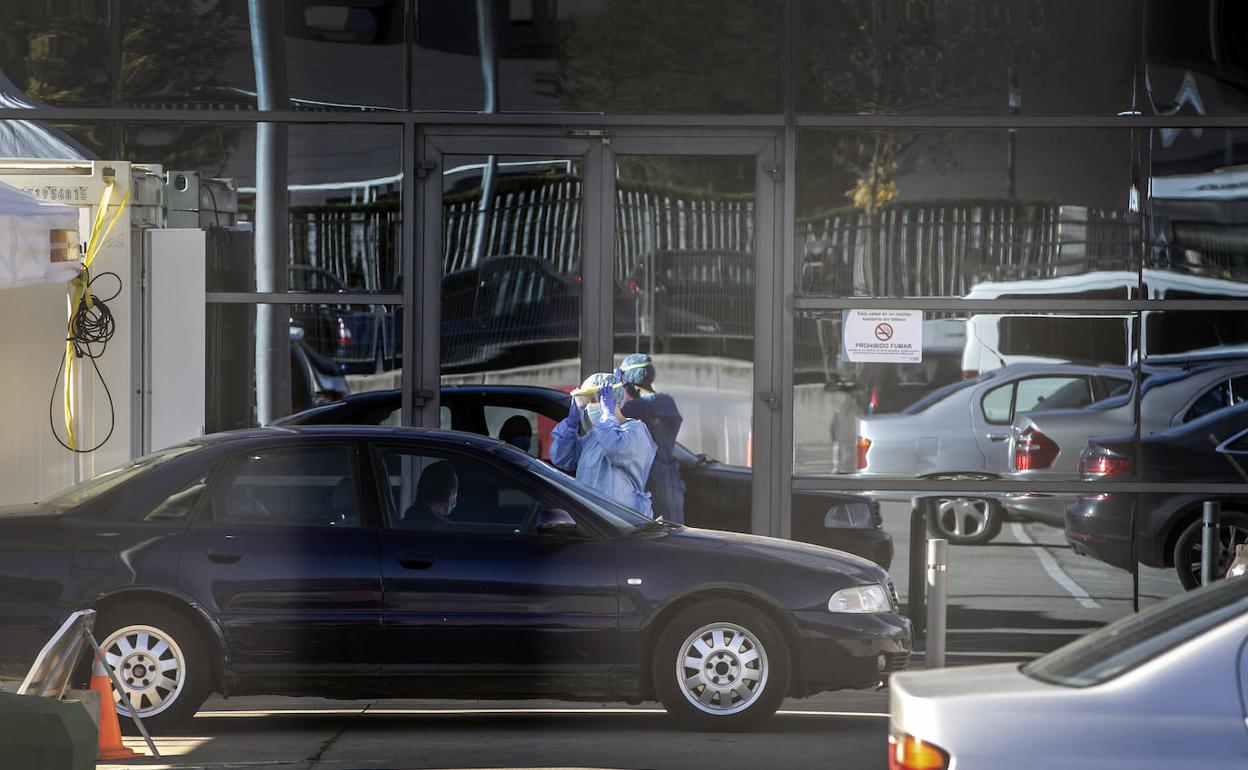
406, 195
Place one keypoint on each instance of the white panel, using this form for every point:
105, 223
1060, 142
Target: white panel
32, 341
176, 336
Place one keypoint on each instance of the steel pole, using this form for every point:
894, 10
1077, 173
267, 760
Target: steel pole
915, 592
937, 563
1210, 545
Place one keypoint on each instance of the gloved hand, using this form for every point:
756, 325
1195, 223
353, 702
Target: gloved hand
607, 395
573, 420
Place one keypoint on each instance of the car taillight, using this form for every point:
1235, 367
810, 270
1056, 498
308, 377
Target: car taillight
905, 752
344, 333
1100, 462
969, 374
1034, 450
864, 444
633, 288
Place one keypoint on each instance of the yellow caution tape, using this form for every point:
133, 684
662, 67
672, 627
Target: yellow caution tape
80, 292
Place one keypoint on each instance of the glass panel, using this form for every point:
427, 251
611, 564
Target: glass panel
307, 487
684, 295
614, 56
1194, 62
335, 350
511, 283
1033, 57
978, 214
175, 54
1198, 226
344, 207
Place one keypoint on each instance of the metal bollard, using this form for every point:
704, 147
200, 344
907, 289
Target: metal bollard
937, 595
1210, 543
918, 538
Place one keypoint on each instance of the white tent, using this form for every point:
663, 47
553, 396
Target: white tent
26, 225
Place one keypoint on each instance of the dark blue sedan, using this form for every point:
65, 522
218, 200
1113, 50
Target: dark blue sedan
373, 562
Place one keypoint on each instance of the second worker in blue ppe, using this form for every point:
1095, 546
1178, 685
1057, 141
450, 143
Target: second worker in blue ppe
658, 411
607, 451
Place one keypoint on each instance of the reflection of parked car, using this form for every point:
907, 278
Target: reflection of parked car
1045, 444
514, 310
1156, 691
717, 497
697, 295
1166, 526
960, 432
362, 340
288, 561
314, 379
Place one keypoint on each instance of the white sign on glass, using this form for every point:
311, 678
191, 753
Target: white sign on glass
882, 336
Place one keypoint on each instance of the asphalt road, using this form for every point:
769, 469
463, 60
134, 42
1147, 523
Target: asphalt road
842, 731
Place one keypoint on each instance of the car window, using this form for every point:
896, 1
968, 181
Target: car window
515, 426
289, 486
179, 505
1217, 397
1115, 386
90, 489
431, 491
623, 520
1052, 393
943, 392
997, 403
1130, 643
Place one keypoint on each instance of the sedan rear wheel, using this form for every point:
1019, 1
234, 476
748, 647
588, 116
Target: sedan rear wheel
721, 665
1188, 549
965, 520
160, 662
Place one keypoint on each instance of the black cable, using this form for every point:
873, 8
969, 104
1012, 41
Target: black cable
90, 329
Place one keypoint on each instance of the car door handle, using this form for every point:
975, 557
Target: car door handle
417, 560
225, 555
998, 436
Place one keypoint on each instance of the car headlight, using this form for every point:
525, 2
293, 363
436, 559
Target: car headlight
859, 599
848, 516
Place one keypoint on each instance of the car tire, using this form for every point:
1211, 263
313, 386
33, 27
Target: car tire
174, 670
1187, 548
742, 672
965, 520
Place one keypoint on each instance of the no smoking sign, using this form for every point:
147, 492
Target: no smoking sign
882, 336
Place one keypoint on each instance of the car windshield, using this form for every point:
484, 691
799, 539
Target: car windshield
1131, 642
940, 394
94, 487
623, 520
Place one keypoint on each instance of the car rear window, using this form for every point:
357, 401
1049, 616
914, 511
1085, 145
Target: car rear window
1131, 642
940, 394
91, 489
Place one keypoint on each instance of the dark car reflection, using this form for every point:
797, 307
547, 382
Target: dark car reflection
1166, 527
718, 496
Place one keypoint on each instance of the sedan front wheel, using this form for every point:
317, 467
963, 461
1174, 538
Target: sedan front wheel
721, 665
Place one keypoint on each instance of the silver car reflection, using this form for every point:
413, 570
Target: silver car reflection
961, 432
1156, 691
1045, 445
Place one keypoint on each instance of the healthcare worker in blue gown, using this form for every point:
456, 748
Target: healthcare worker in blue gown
658, 411
607, 451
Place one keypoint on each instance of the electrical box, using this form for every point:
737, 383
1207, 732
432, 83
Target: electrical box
127, 396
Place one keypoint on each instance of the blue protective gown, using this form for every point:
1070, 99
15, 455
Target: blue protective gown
612, 458
658, 411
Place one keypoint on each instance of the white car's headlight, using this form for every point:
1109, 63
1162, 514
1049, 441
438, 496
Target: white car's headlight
859, 599
848, 516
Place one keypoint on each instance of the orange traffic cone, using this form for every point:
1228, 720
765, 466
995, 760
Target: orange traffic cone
111, 746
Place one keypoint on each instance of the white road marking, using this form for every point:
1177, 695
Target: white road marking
1055, 571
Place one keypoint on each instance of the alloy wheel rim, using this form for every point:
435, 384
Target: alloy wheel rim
722, 669
150, 666
1229, 536
962, 517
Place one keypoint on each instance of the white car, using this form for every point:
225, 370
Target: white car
1161, 690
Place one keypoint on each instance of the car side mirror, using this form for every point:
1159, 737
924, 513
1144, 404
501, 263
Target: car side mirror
556, 521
